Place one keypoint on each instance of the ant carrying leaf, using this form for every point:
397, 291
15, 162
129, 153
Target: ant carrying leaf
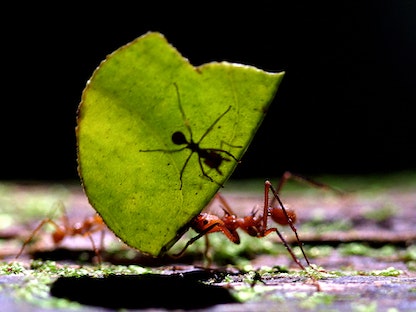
254, 224
212, 157
140, 110
86, 228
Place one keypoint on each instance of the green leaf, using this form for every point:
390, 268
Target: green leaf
132, 103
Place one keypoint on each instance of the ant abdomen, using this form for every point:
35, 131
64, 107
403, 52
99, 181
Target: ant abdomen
280, 217
214, 160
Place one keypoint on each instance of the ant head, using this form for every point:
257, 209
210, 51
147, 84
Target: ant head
179, 138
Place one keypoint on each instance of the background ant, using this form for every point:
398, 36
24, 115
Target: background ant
211, 156
85, 228
255, 224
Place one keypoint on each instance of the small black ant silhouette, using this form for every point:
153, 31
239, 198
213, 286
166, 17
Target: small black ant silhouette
211, 156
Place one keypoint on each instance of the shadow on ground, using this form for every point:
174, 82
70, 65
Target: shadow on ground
177, 291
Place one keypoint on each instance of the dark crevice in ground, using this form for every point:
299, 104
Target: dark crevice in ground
186, 291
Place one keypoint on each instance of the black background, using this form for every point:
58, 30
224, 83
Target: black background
345, 104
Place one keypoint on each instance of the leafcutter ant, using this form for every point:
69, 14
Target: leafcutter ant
212, 157
86, 228
255, 224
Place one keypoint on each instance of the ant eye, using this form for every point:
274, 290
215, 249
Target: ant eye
179, 138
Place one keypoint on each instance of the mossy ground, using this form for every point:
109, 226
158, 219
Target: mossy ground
365, 239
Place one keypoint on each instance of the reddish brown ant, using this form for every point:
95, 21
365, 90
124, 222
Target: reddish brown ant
85, 228
255, 225
211, 156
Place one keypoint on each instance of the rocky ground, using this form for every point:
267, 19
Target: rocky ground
361, 245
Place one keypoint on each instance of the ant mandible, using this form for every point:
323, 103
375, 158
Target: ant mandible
85, 228
255, 225
211, 156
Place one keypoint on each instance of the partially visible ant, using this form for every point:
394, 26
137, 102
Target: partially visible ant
85, 228
211, 156
255, 224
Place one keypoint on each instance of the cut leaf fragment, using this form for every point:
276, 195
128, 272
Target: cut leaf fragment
137, 98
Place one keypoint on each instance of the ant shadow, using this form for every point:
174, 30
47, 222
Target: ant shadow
211, 157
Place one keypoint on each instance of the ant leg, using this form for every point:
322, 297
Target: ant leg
184, 166
193, 239
102, 239
287, 247
206, 174
36, 230
94, 247
164, 150
203, 224
230, 145
285, 177
300, 178
207, 255
268, 186
226, 152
